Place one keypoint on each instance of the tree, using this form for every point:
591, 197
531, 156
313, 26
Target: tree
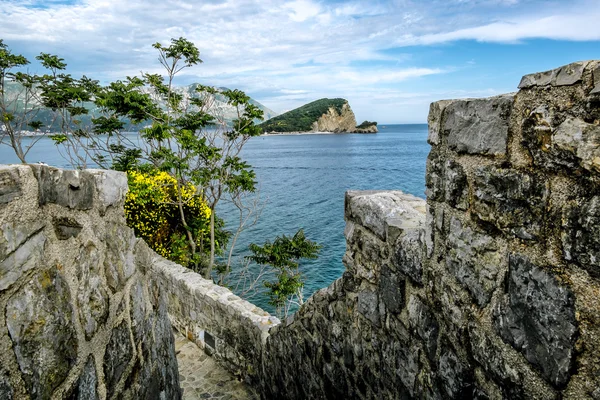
284, 256
183, 137
52, 100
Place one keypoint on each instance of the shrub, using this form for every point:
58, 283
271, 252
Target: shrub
151, 210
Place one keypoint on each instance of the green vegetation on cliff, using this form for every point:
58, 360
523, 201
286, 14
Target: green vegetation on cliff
366, 124
302, 118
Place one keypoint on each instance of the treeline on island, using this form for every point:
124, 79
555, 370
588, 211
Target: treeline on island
366, 124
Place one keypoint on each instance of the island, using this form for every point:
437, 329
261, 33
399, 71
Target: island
320, 116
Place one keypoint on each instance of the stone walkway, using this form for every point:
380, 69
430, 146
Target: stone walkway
202, 378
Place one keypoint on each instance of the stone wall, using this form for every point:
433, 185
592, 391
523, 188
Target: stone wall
491, 290
79, 315
225, 326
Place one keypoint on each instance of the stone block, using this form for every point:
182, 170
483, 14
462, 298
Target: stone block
86, 387
6, 390
401, 360
423, 323
22, 251
111, 187
454, 375
493, 358
563, 76
455, 185
39, 318
570, 74
579, 139
92, 295
67, 188
385, 213
446, 181
391, 290
538, 79
581, 234
434, 176
596, 90
119, 263
537, 317
119, 353
408, 255
368, 306
10, 184
515, 202
475, 260
478, 126
434, 120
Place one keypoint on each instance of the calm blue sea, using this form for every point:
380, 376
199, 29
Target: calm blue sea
303, 179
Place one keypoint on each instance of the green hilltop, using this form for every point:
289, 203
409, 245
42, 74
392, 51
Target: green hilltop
302, 118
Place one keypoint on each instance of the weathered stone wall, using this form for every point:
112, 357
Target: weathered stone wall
494, 291
79, 315
227, 327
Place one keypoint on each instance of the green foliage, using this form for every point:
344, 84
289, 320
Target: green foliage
301, 119
28, 106
284, 256
8, 60
152, 210
366, 124
186, 143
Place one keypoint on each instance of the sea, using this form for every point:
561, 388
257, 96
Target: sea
302, 180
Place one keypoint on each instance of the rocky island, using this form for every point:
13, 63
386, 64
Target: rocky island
324, 115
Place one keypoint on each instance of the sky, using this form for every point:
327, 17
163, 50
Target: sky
390, 59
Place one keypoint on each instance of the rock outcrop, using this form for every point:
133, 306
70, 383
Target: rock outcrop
334, 121
366, 127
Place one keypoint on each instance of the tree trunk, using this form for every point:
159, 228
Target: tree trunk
211, 262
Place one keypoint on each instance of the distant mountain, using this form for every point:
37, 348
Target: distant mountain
220, 106
324, 115
46, 116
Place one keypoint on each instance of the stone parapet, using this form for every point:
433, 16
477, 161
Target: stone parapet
79, 316
227, 327
354, 339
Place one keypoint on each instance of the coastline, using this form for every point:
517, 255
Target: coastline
299, 133
312, 133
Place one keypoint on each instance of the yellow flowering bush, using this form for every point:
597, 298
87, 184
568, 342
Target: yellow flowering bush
151, 210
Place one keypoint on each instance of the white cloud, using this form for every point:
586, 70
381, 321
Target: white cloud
293, 51
568, 27
301, 10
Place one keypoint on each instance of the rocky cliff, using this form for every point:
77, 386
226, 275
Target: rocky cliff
334, 121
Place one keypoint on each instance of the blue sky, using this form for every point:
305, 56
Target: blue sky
390, 59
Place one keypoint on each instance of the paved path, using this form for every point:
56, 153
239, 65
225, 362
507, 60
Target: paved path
202, 378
